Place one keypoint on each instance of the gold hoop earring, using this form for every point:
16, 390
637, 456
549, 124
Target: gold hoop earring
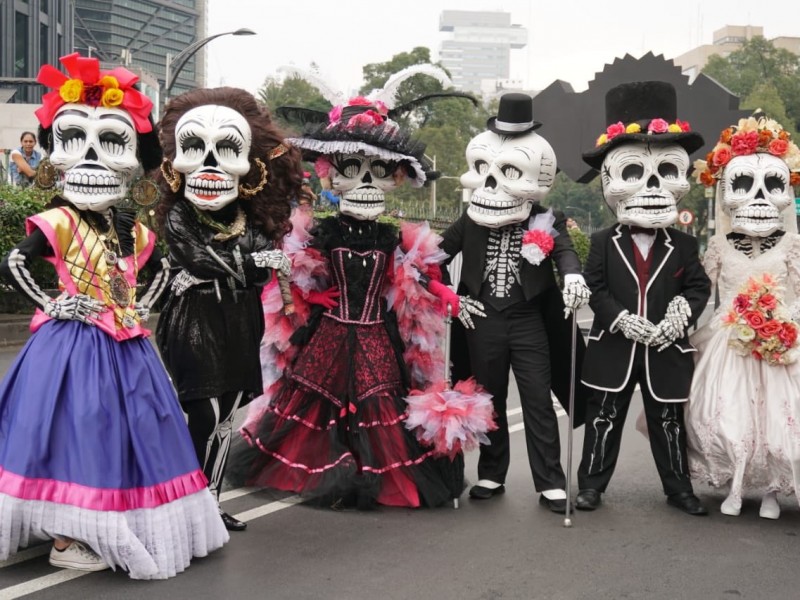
248, 191
172, 177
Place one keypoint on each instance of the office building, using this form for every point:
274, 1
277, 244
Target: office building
478, 52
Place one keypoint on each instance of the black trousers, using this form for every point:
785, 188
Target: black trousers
605, 418
516, 339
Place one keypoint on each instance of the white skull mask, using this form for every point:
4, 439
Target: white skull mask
212, 146
361, 181
755, 191
507, 175
95, 147
643, 183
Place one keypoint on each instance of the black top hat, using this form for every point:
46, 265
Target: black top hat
642, 102
514, 116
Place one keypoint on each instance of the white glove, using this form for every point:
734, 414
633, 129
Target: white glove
673, 325
272, 259
466, 308
74, 308
142, 311
636, 328
576, 293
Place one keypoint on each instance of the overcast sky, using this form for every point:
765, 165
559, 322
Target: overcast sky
567, 39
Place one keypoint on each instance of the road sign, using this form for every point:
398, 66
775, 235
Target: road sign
686, 217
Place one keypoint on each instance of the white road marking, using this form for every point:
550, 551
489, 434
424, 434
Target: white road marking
40, 583
26, 554
266, 509
237, 493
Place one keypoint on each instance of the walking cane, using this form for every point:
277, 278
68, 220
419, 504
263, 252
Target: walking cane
571, 415
448, 321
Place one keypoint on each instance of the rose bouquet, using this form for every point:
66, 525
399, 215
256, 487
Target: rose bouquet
760, 323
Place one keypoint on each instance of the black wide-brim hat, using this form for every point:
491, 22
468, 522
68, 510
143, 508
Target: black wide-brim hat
514, 116
642, 102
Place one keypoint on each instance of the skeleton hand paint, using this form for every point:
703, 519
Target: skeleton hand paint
75, 308
576, 293
272, 259
665, 334
468, 307
636, 328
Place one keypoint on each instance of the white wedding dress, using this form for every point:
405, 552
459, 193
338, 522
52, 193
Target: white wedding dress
743, 414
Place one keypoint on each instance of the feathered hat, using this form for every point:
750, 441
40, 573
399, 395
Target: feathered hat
366, 123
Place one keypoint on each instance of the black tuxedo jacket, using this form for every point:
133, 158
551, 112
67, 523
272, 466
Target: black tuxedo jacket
611, 275
471, 239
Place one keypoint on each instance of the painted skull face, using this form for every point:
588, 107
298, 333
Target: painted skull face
95, 147
361, 182
507, 175
755, 192
643, 183
212, 149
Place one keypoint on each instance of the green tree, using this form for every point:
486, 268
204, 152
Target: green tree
292, 91
757, 63
766, 98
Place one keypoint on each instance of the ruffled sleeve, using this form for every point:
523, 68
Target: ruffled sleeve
793, 264
712, 259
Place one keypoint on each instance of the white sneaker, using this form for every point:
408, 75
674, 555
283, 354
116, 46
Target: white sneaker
770, 509
77, 556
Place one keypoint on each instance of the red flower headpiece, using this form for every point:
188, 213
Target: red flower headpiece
86, 84
358, 112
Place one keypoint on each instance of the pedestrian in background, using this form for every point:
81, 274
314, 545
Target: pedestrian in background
24, 160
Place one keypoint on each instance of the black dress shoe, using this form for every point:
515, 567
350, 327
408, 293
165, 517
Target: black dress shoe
232, 524
557, 506
484, 493
587, 500
688, 503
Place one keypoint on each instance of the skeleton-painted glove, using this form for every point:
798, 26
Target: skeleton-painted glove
143, 312
462, 306
75, 308
636, 328
674, 324
576, 293
272, 259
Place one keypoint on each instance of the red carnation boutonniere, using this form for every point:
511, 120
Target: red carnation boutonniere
538, 242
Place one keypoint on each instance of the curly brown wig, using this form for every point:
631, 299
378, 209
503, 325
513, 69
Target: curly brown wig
270, 208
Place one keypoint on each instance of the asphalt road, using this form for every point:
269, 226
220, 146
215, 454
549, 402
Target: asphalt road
634, 546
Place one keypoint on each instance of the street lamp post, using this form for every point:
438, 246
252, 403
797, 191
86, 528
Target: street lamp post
176, 63
588, 214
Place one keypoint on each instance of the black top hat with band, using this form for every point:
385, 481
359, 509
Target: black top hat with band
514, 115
642, 111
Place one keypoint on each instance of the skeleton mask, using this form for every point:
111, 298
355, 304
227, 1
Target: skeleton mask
507, 175
361, 181
643, 183
95, 147
755, 191
212, 149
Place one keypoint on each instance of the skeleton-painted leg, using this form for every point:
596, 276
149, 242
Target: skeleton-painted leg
668, 443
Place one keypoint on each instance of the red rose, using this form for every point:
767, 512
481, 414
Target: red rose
778, 147
722, 157
770, 328
744, 143
741, 303
615, 129
788, 334
768, 302
755, 319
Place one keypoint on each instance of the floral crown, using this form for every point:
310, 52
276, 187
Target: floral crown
752, 135
655, 126
359, 112
86, 84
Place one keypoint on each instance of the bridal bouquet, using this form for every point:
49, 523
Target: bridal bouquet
760, 323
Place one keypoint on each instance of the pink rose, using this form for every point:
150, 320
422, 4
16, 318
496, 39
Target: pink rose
768, 302
741, 303
788, 334
744, 143
614, 130
755, 319
658, 126
778, 147
359, 101
770, 328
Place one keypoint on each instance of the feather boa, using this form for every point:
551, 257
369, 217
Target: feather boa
421, 325
309, 273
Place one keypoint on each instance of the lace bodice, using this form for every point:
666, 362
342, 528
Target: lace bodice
729, 269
